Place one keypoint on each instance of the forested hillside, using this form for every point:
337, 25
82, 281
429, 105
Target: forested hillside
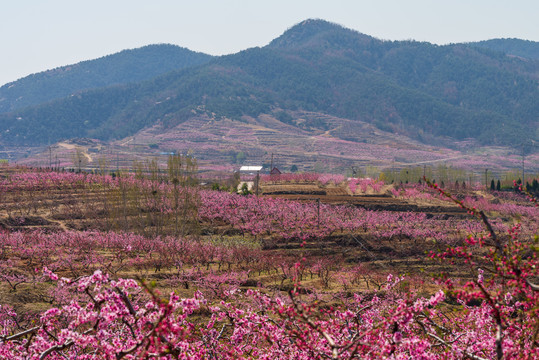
512, 47
412, 88
127, 66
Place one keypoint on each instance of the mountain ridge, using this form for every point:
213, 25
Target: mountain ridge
413, 88
126, 66
512, 46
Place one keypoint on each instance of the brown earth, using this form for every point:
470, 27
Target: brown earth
341, 195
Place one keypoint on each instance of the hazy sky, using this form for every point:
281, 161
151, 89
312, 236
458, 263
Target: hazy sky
37, 35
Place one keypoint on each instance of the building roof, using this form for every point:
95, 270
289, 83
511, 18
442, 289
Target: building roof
251, 168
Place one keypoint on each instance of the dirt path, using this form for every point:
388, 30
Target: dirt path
67, 146
74, 147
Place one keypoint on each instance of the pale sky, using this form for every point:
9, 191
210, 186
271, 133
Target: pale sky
36, 35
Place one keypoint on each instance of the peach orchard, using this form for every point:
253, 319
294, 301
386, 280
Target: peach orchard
169, 270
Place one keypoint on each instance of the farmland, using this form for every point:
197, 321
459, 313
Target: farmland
150, 264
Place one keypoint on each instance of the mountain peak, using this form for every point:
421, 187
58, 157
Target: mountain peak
314, 32
316, 25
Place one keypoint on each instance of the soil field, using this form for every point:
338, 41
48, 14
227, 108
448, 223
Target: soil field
376, 202
341, 195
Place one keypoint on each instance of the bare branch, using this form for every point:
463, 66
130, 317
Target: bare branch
21, 334
443, 342
45, 353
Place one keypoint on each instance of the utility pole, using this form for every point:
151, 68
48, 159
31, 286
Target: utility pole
486, 181
523, 164
50, 157
257, 181
271, 167
318, 201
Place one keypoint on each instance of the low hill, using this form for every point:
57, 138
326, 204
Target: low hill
128, 66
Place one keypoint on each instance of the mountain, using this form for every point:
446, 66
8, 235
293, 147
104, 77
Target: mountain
128, 66
515, 47
420, 90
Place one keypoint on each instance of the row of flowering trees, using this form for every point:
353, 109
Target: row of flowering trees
152, 208
364, 184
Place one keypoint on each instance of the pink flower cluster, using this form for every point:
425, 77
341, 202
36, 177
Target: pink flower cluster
364, 184
115, 319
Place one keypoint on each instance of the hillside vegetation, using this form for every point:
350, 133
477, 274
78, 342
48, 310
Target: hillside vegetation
416, 89
127, 66
516, 47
